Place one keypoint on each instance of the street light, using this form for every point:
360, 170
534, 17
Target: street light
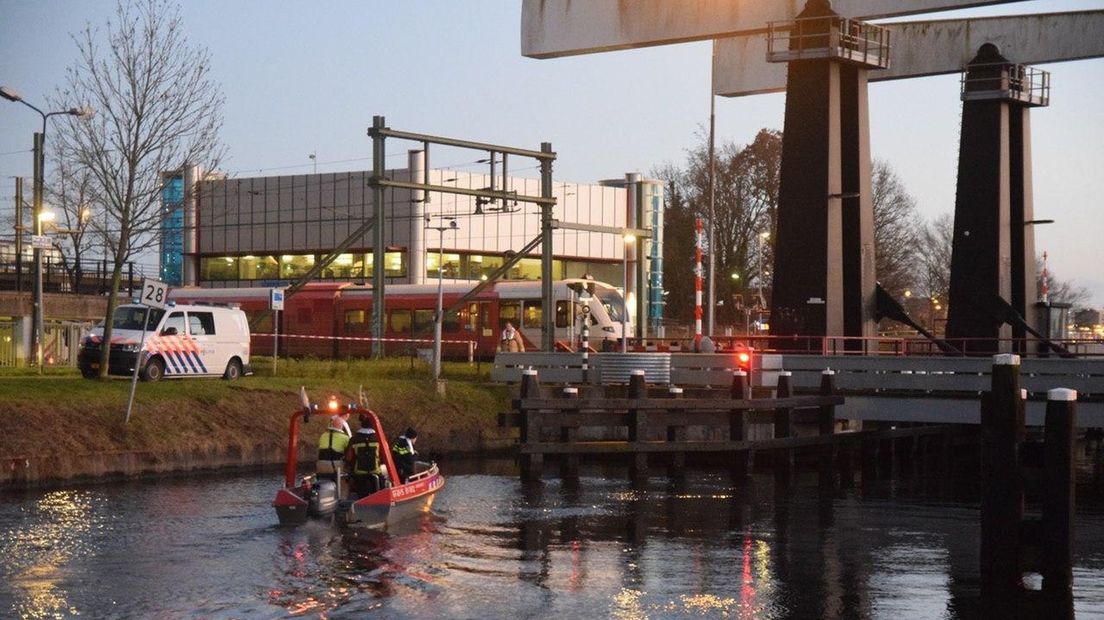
39, 164
629, 240
440, 296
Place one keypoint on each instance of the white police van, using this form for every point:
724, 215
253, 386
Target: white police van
196, 340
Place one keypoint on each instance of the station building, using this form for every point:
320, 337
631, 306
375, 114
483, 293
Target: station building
269, 231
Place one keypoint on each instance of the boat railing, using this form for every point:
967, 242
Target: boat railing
422, 475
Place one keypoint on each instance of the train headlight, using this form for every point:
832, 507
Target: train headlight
333, 404
607, 328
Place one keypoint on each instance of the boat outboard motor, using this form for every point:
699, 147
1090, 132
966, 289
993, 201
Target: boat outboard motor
323, 498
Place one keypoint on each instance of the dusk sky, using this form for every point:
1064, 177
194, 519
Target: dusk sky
304, 78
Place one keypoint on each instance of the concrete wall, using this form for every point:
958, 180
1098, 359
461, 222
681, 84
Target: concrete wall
55, 306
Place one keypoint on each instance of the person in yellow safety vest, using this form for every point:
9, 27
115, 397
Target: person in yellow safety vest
363, 458
331, 450
402, 451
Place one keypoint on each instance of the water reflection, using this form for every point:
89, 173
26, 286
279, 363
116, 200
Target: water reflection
54, 530
705, 545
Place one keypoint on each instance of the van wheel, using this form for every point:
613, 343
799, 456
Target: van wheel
90, 373
233, 370
154, 370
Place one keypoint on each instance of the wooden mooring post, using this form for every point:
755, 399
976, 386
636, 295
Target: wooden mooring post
638, 426
529, 421
1012, 542
743, 463
783, 459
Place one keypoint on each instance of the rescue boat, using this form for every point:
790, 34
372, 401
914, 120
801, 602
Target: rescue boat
306, 497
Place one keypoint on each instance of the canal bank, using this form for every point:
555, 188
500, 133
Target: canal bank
59, 429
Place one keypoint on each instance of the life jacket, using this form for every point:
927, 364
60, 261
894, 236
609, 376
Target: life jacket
366, 454
402, 447
332, 444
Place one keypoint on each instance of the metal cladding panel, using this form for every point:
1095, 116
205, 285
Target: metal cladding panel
304, 214
295, 220
924, 48
551, 28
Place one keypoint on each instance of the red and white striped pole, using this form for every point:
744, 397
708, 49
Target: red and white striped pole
697, 284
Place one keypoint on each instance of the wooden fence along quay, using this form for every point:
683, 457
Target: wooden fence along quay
1027, 484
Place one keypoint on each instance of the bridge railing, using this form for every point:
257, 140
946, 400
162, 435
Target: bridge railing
946, 375
890, 388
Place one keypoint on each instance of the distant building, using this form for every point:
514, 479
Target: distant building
268, 231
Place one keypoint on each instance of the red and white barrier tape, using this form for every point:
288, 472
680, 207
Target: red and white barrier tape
369, 339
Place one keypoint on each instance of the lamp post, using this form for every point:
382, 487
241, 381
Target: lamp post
629, 239
439, 317
36, 209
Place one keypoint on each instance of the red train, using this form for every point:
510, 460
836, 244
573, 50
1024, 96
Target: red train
334, 319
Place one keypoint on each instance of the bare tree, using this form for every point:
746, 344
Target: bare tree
933, 277
896, 228
157, 109
74, 204
746, 202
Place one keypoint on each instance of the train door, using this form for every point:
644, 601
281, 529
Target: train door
479, 324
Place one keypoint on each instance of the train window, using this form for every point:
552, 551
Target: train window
400, 321
509, 311
423, 320
452, 322
356, 321
563, 313
532, 314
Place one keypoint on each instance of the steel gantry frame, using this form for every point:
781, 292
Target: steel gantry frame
379, 133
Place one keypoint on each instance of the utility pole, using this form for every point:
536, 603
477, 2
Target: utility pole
37, 335
548, 315
378, 254
19, 234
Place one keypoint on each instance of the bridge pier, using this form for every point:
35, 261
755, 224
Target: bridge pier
824, 259
993, 249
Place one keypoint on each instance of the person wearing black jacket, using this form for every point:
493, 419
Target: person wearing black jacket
402, 451
363, 458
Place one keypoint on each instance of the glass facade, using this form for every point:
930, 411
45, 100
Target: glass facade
172, 229
357, 267
353, 266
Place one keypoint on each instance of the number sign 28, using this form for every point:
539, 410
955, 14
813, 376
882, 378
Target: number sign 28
155, 294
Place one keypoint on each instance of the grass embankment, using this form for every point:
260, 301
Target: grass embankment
62, 414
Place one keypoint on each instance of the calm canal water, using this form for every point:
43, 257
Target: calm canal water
495, 548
